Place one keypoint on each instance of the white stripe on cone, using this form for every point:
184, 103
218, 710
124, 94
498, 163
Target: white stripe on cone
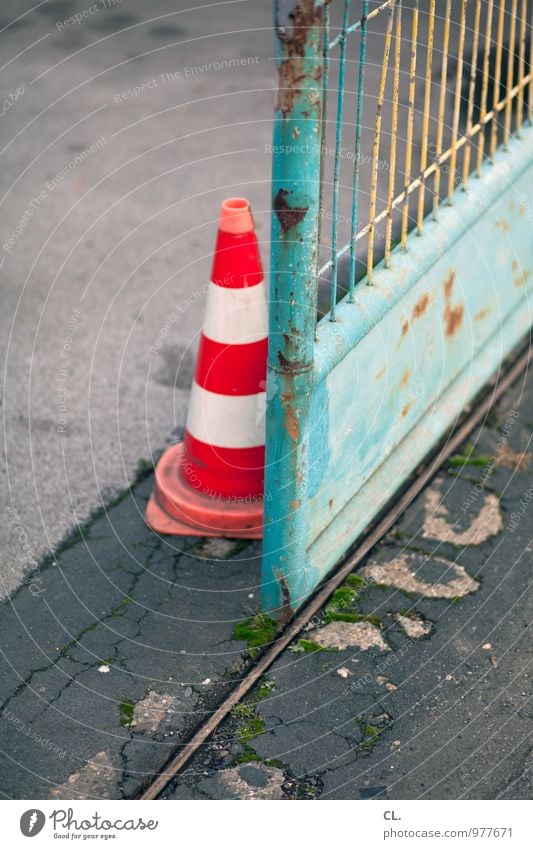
226, 421
236, 316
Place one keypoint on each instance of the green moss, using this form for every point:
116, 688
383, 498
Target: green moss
468, 458
343, 596
354, 617
247, 756
265, 687
356, 581
371, 737
257, 632
306, 646
120, 606
126, 712
341, 617
250, 729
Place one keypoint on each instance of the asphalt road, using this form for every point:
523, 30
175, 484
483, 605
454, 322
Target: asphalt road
127, 130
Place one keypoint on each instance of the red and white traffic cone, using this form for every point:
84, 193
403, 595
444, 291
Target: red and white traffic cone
211, 484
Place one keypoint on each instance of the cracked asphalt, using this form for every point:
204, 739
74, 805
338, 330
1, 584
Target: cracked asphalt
413, 682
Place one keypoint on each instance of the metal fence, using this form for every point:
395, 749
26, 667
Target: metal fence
395, 121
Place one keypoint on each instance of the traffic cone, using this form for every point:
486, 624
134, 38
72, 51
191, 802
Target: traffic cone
211, 484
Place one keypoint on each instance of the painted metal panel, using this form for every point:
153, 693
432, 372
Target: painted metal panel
356, 401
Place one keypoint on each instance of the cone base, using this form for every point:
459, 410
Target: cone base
175, 508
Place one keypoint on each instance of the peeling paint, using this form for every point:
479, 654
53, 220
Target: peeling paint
397, 573
487, 523
293, 31
291, 419
344, 635
288, 216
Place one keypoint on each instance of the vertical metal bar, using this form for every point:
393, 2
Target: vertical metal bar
442, 104
357, 150
457, 102
497, 79
336, 166
286, 579
375, 148
425, 119
510, 74
324, 134
484, 86
530, 92
471, 94
394, 129
521, 67
410, 124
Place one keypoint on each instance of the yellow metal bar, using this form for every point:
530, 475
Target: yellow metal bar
521, 67
530, 92
425, 118
497, 76
457, 101
471, 93
394, 128
510, 72
410, 124
375, 148
442, 102
484, 83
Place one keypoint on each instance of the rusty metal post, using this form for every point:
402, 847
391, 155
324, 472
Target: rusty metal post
293, 301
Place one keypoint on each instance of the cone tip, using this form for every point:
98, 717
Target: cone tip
235, 216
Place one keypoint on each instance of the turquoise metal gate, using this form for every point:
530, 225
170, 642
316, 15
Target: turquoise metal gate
429, 254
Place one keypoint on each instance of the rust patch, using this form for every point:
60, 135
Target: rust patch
502, 224
406, 408
522, 279
421, 306
286, 608
514, 265
405, 378
295, 504
405, 327
292, 74
448, 285
381, 373
453, 316
288, 216
482, 314
291, 420
330, 503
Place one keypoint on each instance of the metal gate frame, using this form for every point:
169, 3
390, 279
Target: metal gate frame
456, 298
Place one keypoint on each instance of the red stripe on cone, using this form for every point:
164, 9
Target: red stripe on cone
213, 485
223, 472
232, 369
237, 263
